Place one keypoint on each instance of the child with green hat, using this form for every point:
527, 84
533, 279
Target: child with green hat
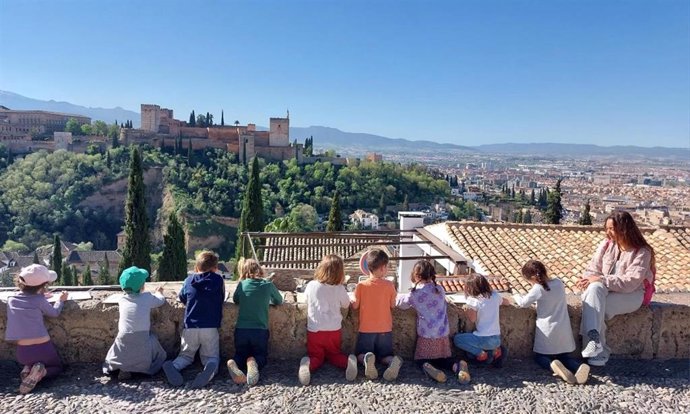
135, 349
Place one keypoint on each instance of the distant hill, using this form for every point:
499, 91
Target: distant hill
332, 137
583, 150
108, 115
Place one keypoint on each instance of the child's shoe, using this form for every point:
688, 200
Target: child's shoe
433, 373
252, 372
582, 374
499, 357
25, 372
560, 370
172, 374
124, 375
236, 373
463, 372
482, 357
391, 373
593, 347
304, 374
205, 376
351, 370
370, 370
36, 373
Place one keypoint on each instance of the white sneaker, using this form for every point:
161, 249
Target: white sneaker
598, 361
304, 374
582, 374
370, 370
592, 349
391, 373
351, 370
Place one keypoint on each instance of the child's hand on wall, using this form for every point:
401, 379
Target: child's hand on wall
63, 296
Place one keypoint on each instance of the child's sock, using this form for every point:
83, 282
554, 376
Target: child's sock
205, 376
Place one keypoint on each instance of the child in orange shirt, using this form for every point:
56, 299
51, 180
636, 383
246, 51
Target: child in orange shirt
375, 297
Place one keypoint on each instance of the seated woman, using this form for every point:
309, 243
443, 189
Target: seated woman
615, 282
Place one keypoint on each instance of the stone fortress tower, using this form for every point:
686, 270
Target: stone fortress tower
279, 135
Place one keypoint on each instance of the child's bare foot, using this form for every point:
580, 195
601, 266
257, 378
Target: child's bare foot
236, 373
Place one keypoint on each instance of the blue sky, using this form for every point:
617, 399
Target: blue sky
466, 72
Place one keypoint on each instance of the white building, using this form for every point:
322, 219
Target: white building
364, 219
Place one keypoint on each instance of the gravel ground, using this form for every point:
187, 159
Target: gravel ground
624, 386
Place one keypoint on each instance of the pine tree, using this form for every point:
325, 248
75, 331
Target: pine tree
251, 218
104, 271
173, 264
36, 261
405, 204
86, 279
586, 217
56, 257
335, 220
222, 118
554, 208
192, 119
137, 250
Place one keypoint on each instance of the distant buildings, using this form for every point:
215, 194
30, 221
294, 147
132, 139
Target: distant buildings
364, 220
20, 125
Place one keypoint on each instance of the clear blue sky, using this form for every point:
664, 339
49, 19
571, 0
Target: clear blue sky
466, 72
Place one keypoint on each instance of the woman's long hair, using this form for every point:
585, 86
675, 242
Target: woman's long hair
627, 232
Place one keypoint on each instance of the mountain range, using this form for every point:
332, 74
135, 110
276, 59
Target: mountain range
358, 142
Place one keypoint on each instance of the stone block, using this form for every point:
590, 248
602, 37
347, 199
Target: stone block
671, 331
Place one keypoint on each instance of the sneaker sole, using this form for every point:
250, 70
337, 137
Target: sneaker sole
582, 374
391, 373
236, 373
370, 370
205, 376
173, 375
434, 373
597, 363
351, 370
36, 374
564, 373
252, 373
464, 373
304, 375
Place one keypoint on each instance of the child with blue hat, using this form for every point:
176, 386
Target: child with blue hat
135, 349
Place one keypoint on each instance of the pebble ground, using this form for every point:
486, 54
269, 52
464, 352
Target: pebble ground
624, 386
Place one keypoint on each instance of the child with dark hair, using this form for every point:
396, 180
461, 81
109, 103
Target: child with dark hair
375, 297
553, 338
325, 297
253, 295
203, 294
25, 311
135, 348
484, 344
433, 349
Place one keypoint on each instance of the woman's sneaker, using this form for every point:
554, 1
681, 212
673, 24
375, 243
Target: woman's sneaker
252, 372
560, 370
462, 371
434, 373
391, 373
370, 370
36, 373
582, 374
351, 370
593, 347
236, 373
304, 374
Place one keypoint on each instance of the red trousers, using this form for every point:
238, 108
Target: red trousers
325, 345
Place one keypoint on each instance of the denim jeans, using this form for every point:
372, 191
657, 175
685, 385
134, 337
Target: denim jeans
474, 345
569, 362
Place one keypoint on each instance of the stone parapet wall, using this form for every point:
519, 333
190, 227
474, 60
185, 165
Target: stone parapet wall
86, 329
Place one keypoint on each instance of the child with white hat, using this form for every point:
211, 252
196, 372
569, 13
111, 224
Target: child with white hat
25, 311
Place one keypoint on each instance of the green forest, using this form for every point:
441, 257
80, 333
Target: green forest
40, 194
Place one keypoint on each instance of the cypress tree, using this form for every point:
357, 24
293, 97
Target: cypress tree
104, 272
335, 219
56, 258
86, 279
222, 118
36, 261
190, 153
586, 218
251, 218
173, 265
554, 209
137, 250
65, 280
192, 119
72, 276
108, 159
532, 200
527, 218
406, 204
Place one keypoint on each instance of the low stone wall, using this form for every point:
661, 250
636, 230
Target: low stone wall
85, 330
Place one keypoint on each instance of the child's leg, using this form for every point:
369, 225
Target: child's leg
260, 346
333, 353
365, 344
543, 360
316, 349
569, 362
190, 344
44, 353
383, 347
208, 348
469, 343
243, 347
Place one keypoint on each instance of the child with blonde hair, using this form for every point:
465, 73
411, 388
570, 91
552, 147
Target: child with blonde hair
326, 296
553, 338
484, 344
375, 297
433, 350
253, 295
25, 311
136, 348
203, 294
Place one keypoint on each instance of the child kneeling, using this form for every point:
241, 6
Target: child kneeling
135, 349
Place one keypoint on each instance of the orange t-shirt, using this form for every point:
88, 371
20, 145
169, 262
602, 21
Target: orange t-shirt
375, 298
